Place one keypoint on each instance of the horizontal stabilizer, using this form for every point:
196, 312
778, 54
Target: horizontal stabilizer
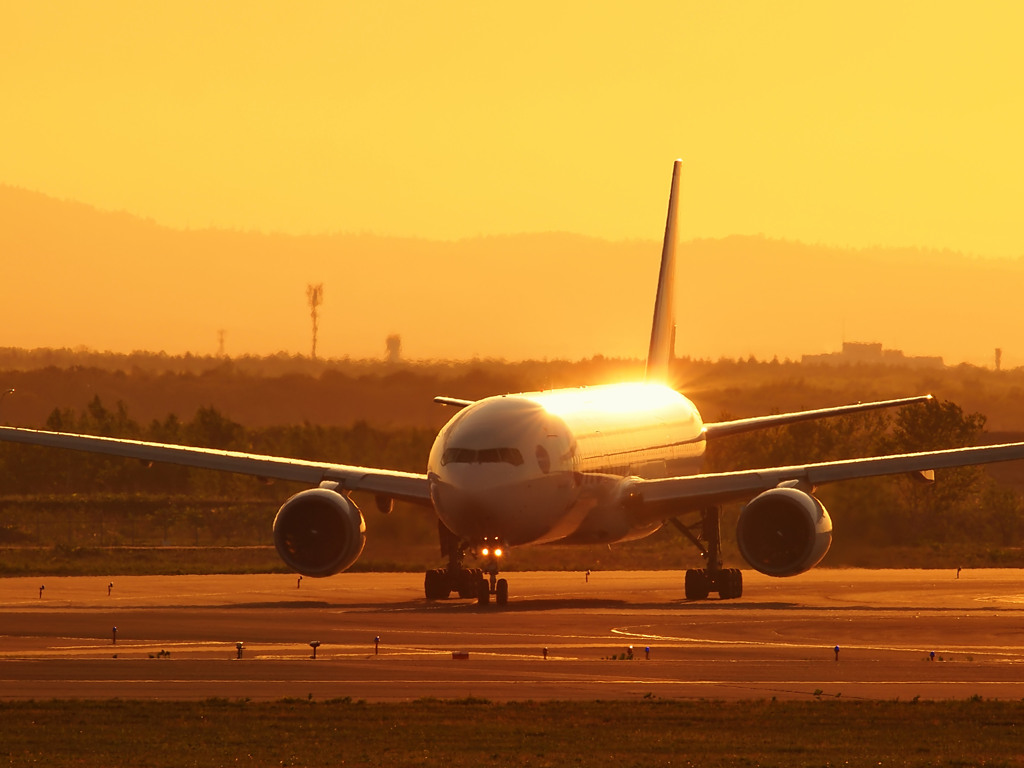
456, 402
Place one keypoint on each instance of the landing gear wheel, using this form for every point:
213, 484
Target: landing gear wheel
501, 592
436, 585
697, 585
468, 580
730, 584
483, 592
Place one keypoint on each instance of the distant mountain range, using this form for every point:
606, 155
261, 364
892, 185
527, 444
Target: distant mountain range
74, 276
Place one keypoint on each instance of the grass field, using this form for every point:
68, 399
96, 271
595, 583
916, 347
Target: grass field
137, 561
658, 552
478, 733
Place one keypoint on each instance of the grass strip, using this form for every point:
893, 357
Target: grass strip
477, 732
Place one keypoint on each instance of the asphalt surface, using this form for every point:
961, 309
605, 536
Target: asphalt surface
176, 638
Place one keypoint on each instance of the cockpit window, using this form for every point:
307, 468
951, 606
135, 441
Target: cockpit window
511, 456
485, 456
543, 459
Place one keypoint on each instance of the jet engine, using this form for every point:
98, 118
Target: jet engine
784, 532
319, 532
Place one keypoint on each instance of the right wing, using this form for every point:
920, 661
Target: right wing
405, 486
652, 499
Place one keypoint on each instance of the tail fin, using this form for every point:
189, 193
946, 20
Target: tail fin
663, 331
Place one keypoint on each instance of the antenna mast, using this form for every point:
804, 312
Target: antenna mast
315, 296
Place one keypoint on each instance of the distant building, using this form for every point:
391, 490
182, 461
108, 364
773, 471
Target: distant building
394, 347
858, 353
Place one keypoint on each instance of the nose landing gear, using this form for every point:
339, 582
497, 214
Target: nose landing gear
493, 586
492, 552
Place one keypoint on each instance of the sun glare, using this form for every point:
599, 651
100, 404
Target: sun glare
609, 398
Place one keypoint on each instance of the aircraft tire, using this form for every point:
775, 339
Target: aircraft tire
697, 585
501, 592
483, 593
468, 580
435, 585
731, 584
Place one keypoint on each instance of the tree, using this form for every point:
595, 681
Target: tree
950, 507
211, 429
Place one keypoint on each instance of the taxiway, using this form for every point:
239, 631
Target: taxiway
176, 637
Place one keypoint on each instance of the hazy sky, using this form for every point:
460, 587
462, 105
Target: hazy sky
847, 123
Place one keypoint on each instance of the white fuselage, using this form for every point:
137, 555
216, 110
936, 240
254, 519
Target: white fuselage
542, 467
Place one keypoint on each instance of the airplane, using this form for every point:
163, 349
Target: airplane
589, 465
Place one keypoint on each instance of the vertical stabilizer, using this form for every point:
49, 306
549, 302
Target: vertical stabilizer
663, 330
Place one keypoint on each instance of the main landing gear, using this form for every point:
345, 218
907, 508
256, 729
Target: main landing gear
699, 583
439, 583
481, 583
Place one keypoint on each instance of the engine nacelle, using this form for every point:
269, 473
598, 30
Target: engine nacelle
784, 532
319, 532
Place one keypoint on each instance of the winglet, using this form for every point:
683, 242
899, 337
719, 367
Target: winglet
663, 330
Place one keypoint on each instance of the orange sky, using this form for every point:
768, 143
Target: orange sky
840, 123
843, 123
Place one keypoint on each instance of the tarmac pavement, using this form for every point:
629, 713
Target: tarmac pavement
177, 637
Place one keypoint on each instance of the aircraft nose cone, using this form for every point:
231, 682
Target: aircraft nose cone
470, 510
483, 500
493, 471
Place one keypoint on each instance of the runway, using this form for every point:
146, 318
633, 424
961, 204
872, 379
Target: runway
176, 638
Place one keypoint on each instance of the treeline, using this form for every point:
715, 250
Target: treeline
342, 392
279, 364
336, 393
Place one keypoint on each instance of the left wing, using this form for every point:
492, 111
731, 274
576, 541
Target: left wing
405, 486
652, 499
724, 428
